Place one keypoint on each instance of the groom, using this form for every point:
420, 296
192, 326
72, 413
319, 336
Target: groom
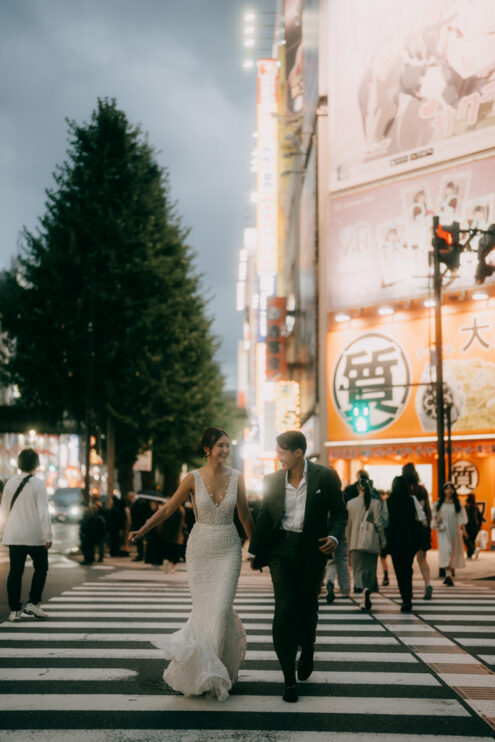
301, 520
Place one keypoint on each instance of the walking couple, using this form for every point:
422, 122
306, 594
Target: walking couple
301, 520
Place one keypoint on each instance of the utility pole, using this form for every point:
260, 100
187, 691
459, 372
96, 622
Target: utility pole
110, 460
437, 288
89, 393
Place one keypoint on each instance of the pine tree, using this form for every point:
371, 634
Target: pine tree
110, 253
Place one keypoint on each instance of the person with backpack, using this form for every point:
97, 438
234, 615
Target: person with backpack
27, 531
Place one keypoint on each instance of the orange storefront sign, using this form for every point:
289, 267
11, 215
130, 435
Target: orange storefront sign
390, 364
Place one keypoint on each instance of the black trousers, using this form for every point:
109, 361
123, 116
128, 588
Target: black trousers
297, 579
18, 554
402, 561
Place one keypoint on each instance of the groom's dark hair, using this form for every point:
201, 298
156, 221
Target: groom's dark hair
291, 440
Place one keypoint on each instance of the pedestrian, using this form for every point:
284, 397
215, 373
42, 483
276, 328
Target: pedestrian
384, 552
102, 514
91, 533
356, 488
116, 527
155, 540
338, 567
27, 531
140, 512
365, 535
207, 652
301, 521
419, 491
404, 514
473, 525
126, 523
449, 519
173, 536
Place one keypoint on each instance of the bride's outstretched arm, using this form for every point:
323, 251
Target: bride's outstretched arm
243, 509
165, 511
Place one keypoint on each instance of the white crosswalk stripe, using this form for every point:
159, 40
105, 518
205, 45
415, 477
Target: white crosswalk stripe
96, 665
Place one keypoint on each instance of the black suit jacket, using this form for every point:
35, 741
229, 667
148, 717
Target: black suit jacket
325, 513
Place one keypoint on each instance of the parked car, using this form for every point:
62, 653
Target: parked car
66, 504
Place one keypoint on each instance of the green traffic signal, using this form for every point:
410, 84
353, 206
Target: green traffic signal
360, 420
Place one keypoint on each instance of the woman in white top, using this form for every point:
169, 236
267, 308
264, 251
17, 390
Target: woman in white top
27, 530
361, 508
449, 519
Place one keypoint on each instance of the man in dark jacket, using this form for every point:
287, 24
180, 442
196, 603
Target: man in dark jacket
301, 520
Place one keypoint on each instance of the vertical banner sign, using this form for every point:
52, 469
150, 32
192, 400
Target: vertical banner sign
293, 22
276, 343
267, 171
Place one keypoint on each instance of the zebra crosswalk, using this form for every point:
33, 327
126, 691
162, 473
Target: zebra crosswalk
93, 673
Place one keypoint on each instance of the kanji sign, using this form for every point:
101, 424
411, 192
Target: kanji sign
373, 368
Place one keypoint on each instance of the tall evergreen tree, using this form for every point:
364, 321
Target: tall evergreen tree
110, 255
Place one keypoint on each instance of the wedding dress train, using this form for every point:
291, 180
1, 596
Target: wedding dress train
207, 653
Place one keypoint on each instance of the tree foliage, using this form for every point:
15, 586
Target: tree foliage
110, 248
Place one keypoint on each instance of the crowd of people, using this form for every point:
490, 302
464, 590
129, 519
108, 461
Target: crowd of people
104, 529
307, 531
399, 525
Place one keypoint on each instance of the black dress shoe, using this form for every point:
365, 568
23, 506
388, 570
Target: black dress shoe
290, 693
406, 608
305, 666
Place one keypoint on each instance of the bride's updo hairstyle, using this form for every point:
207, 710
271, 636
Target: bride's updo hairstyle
209, 438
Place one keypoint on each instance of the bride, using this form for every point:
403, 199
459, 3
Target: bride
207, 653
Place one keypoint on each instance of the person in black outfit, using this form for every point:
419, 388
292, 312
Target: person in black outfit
116, 523
355, 489
300, 524
421, 495
473, 525
91, 533
140, 512
404, 512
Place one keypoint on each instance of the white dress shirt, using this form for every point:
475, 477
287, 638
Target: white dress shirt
29, 523
295, 503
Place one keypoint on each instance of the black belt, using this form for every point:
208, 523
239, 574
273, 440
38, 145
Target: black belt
290, 534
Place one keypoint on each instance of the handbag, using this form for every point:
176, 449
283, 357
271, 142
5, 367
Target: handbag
368, 537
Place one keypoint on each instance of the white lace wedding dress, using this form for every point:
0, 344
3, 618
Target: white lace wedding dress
207, 653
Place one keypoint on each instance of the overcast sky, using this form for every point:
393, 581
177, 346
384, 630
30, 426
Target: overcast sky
175, 68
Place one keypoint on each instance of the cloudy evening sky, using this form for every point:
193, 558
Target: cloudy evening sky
175, 68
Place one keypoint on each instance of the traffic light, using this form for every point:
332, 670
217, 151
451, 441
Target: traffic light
485, 246
446, 243
360, 416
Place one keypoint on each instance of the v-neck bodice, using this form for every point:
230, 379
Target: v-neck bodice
207, 511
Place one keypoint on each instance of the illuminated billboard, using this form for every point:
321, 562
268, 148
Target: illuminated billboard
267, 209
379, 239
390, 364
411, 84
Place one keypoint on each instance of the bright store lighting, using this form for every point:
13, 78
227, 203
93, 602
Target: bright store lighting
255, 134
254, 197
249, 42
385, 310
342, 317
248, 64
249, 17
249, 30
480, 295
429, 303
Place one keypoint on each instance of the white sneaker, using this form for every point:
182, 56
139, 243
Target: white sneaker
15, 616
35, 610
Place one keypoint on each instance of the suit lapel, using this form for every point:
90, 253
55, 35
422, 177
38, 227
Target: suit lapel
278, 497
311, 487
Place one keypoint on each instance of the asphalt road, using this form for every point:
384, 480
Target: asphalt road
93, 673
